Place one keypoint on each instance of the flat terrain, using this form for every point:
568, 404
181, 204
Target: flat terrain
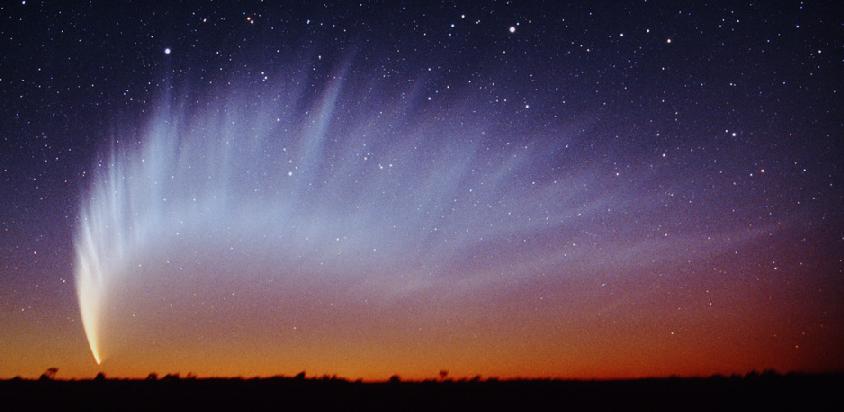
790, 392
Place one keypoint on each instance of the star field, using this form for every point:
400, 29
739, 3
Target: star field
505, 188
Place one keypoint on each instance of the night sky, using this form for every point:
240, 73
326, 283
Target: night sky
500, 189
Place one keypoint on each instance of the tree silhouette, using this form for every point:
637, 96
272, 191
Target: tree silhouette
49, 374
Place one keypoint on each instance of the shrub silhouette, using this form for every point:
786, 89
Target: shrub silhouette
171, 377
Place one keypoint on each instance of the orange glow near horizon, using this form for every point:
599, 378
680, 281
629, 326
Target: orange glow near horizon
610, 334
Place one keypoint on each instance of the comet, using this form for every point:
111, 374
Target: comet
381, 190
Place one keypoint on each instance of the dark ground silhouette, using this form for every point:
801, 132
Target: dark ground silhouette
763, 392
